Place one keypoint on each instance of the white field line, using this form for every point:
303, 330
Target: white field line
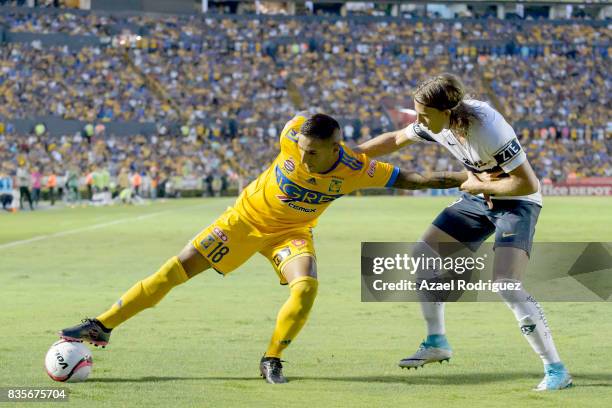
91, 227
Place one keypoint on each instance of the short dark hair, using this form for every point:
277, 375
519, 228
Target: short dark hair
320, 126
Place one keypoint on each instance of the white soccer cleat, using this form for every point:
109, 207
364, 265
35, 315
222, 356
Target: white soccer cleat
427, 354
556, 377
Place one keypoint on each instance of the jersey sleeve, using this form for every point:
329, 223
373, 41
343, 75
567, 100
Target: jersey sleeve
418, 133
505, 147
376, 174
292, 127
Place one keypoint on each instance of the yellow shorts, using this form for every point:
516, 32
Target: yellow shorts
231, 240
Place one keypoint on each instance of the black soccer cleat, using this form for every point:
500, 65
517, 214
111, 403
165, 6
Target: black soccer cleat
271, 370
90, 330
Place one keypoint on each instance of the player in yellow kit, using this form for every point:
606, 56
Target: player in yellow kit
273, 216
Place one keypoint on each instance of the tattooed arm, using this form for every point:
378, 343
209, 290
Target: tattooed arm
411, 180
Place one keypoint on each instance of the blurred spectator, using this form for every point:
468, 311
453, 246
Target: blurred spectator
136, 180
51, 185
6, 190
36, 184
24, 182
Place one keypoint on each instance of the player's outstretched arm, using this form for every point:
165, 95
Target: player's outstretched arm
411, 180
384, 144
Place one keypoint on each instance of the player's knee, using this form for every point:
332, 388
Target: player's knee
192, 261
510, 296
305, 290
170, 274
426, 270
422, 248
155, 287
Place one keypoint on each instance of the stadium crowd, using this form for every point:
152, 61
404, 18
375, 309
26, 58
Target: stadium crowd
21, 21
87, 84
239, 70
232, 82
75, 168
150, 166
170, 29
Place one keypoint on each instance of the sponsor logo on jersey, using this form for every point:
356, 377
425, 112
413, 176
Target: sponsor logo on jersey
508, 152
289, 165
219, 233
478, 167
477, 164
335, 185
302, 209
292, 192
372, 168
208, 241
281, 255
298, 242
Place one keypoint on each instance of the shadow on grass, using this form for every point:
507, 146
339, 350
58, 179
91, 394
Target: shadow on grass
580, 379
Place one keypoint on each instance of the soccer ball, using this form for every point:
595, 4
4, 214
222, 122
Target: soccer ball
68, 361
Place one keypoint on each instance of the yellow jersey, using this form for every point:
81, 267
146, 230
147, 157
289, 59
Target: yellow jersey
286, 195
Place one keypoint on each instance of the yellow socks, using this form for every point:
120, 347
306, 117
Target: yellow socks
293, 315
144, 294
148, 292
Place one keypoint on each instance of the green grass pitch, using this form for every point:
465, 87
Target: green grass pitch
202, 344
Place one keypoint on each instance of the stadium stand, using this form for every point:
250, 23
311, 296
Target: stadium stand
215, 90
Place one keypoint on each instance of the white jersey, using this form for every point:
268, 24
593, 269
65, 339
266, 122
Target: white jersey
491, 146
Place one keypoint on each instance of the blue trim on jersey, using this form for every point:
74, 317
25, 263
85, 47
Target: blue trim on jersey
393, 177
294, 192
333, 167
292, 135
351, 162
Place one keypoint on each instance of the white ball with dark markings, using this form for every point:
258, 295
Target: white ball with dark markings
68, 361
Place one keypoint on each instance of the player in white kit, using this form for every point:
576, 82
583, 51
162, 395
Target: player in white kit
501, 196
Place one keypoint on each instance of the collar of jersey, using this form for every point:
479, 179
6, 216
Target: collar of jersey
332, 168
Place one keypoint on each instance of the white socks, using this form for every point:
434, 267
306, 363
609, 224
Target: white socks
527, 311
433, 312
532, 322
